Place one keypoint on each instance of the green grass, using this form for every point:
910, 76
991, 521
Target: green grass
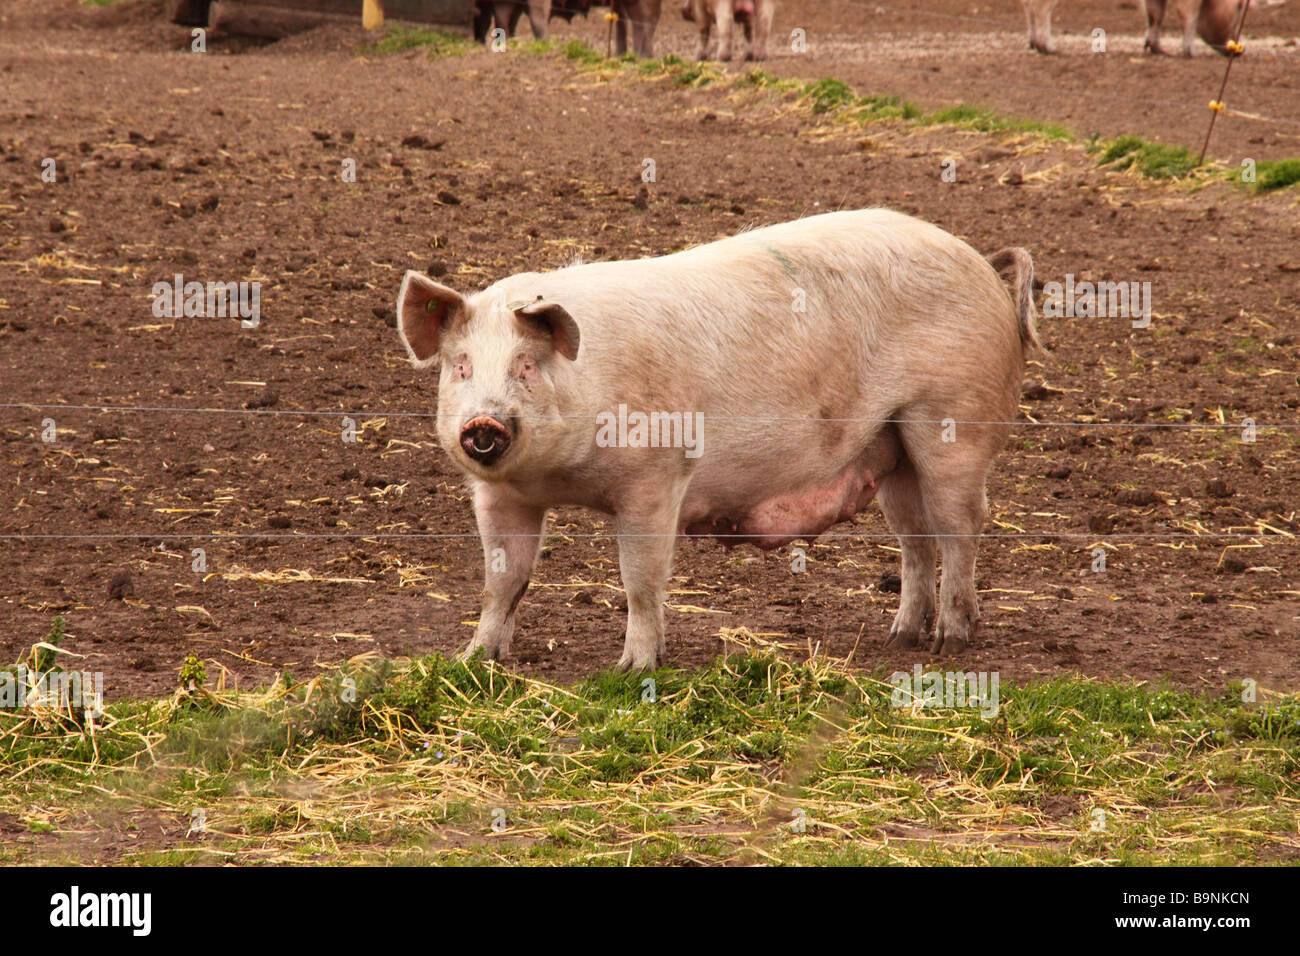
761, 757
1153, 160
1270, 175
439, 43
989, 121
836, 100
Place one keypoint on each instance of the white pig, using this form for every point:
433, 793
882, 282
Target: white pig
1214, 20
1038, 14
717, 20
801, 370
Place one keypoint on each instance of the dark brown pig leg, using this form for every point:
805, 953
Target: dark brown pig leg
1155, 16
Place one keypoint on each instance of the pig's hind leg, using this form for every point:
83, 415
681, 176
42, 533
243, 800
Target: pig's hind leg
900, 499
951, 477
511, 533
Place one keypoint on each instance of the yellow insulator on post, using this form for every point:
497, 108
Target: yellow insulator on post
611, 17
372, 14
1235, 48
1216, 106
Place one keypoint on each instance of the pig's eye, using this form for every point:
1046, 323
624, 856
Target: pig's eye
525, 368
461, 368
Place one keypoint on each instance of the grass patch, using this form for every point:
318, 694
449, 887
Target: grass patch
829, 97
988, 121
760, 757
439, 43
1279, 174
1153, 160
580, 52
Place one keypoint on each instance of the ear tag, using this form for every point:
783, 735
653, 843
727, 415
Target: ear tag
430, 306
516, 306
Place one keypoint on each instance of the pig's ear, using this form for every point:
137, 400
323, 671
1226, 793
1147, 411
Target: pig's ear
552, 321
425, 311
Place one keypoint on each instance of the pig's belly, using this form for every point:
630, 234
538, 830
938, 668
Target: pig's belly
785, 517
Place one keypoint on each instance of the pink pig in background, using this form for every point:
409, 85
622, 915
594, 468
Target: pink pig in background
1213, 20
790, 375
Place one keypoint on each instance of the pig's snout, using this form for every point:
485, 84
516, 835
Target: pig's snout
484, 439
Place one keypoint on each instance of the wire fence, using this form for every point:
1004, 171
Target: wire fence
1256, 424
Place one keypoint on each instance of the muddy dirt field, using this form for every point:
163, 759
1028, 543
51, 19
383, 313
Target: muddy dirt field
226, 167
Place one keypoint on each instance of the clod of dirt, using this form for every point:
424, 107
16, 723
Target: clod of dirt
388, 315
584, 597
1141, 440
1189, 358
376, 482
1037, 391
265, 399
448, 198
58, 225
1231, 565
321, 135
209, 203
120, 586
279, 521
1208, 598
437, 268
1014, 176
890, 583
416, 141
1101, 524
1218, 488
1136, 497
1060, 472
349, 474
1065, 594
989, 154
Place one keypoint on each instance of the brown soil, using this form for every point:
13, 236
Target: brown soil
226, 167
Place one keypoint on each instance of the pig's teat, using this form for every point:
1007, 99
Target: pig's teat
484, 439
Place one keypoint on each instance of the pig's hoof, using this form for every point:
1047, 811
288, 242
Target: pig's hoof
478, 650
946, 644
630, 662
903, 639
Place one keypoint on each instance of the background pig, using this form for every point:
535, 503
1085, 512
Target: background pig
506, 13
1038, 13
643, 15
718, 17
1214, 20
824, 356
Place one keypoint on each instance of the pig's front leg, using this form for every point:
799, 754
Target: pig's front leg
725, 24
511, 532
1189, 34
646, 540
1155, 16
